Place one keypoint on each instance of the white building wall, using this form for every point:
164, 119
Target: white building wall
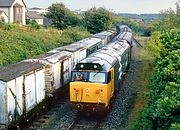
4, 16
11, 15
24, 11
6, 10
39, 21
39, 11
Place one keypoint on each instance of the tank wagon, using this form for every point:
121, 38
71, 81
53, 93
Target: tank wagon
95, 79
26, 86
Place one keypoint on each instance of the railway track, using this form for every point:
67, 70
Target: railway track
42, 120
81, 123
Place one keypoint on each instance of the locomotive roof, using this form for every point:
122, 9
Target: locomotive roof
125, 36
107, 33
125, 28
13, 71
108, 55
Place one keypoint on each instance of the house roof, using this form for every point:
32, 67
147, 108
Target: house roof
18, 5
5, 3
33, 15
8, 3
36, 8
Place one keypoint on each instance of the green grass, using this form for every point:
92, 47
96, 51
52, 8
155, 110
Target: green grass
19, 43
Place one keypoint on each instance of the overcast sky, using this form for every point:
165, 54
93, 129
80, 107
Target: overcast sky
118, 6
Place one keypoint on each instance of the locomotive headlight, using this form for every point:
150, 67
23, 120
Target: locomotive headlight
82, 66
95, 66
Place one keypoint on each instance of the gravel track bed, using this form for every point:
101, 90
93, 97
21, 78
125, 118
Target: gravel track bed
118, 116
61, 119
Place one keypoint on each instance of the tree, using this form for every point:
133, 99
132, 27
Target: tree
97, 20
170, 19
61, 16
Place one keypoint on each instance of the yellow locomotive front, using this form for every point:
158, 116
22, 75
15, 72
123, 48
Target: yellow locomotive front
90, 89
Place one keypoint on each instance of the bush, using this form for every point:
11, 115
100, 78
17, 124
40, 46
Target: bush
162, 110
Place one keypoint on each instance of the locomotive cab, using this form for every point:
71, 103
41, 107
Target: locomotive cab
90, 89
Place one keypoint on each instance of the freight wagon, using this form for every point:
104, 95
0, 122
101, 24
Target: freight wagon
22, 87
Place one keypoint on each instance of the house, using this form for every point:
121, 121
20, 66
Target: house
79, 11
38, 10
32, 15
47, 21
3, 16
14, 10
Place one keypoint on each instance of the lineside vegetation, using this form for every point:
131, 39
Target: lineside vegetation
162, 110
19, 43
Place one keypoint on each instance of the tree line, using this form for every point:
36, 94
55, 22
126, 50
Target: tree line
94, 20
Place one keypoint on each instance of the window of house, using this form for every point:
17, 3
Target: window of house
18, 10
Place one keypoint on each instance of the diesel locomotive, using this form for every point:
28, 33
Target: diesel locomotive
96, 79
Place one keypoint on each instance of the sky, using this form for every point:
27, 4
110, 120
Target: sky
117, 6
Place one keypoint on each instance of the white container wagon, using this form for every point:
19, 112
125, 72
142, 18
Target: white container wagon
21, 89
91, 45
58, 66
78, 52
81, 49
